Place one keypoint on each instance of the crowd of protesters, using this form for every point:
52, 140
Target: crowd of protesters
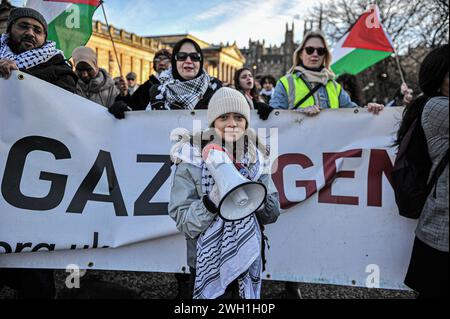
181, 82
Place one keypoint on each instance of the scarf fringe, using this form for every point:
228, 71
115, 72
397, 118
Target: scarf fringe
227, 251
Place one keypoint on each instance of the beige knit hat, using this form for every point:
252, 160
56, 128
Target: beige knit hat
227, 100
85, 54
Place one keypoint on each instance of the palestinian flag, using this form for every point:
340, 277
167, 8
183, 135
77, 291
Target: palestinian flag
69, 22
365, 45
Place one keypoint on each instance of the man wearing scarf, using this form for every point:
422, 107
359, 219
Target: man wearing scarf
24, 47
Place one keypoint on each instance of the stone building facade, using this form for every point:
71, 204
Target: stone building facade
272, 60
135, 53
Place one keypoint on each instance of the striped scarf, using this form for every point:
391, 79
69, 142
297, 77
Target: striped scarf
227, 251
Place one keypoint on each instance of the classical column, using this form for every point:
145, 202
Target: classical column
142, 71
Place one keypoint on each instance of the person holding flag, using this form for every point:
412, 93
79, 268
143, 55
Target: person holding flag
25, 47
95, 83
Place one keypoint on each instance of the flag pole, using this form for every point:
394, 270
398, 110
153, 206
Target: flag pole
112, 39
399, 67
397, 60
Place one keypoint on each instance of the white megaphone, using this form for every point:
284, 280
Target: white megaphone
239, 197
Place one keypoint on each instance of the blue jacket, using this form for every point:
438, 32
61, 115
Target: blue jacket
280, 98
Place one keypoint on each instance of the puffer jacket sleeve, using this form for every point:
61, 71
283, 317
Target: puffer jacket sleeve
271, 209
113, 93
280, 99
186, 205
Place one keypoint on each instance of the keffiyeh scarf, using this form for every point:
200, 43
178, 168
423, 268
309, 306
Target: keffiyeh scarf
31, 58
183, 94
227, 251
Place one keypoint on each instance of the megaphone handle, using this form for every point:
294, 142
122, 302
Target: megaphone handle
209, 205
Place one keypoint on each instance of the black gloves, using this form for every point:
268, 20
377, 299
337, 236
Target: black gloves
118, 109
264, 110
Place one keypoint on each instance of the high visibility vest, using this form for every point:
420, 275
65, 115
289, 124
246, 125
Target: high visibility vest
297, 89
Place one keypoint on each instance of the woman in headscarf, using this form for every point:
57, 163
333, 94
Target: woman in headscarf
226, 259
185, 86
310, 84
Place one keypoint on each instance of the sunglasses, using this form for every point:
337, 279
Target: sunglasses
320, 51
183, 56
131, 79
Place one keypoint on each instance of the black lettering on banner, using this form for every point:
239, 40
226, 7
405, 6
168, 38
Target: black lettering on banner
142, 206
85, 192
6, 247
21, 246
14, 171
44, 246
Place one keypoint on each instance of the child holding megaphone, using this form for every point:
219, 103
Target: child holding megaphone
222, 196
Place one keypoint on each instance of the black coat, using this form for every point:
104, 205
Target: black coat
201, 105
57, 72
141, 98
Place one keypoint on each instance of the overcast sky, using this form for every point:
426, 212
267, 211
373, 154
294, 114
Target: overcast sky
214, 21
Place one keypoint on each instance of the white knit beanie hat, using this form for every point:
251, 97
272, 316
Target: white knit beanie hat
227, 100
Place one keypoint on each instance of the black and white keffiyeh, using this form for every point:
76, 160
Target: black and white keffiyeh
31, 58
227, 251
183, 94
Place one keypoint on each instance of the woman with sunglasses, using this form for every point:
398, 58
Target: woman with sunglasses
187, 85
184, 86
310, 84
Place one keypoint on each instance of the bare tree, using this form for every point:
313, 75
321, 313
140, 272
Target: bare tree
410, 23
415, 26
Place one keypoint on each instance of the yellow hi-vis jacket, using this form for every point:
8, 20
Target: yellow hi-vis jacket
296, 89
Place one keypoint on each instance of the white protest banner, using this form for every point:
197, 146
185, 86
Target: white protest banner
74, 180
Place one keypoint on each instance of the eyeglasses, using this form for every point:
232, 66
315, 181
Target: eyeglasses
320, 51
131, 79
183, 56
161, 58
23, 26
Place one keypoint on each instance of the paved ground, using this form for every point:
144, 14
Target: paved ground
164, 286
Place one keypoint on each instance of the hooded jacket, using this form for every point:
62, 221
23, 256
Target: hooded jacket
100, 90
192, 217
